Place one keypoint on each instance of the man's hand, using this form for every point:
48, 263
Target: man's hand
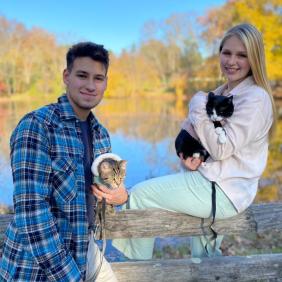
112, 196
191, 163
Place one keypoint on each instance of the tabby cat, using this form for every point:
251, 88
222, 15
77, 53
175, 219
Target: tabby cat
218, 107
111, 174
109, 170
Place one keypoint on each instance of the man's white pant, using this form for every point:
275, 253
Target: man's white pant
97, 269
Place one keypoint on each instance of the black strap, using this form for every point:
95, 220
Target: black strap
100, 219
213, 209
99, 228
103, 219
127, 206
214, 233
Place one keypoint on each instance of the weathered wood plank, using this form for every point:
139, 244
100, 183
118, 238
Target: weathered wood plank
151, 223
250, 268
161, 223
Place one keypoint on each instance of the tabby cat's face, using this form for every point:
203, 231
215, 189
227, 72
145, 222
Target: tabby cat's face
112, 172
219, 107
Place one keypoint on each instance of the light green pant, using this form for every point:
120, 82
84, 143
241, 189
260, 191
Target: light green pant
186, 192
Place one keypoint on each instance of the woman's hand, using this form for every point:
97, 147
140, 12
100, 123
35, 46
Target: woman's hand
191, 163
116, 196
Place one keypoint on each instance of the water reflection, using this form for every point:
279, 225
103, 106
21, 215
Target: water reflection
6, 183
142, 132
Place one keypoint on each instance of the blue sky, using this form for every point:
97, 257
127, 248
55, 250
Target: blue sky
116, 24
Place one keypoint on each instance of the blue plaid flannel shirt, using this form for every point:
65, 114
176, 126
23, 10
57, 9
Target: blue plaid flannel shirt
47, 239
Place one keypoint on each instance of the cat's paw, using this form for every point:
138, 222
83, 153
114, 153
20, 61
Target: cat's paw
219, 130
222, 138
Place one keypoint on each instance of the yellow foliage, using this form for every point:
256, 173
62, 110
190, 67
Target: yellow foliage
264, 14
268, 194
261, 14
275, 155
32, 61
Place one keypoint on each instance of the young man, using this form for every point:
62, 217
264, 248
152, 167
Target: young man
52, 150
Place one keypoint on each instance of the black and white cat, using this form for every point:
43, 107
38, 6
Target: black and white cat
218, 107
186, 144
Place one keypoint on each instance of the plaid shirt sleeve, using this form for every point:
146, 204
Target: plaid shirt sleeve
31, 166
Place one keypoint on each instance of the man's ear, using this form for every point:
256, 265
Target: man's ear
66, 76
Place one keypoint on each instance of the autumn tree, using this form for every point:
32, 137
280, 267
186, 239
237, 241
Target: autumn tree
30, 60
131, 74
266, 15
172, 48
11, 35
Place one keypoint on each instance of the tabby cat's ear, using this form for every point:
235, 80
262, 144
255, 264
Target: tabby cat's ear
105, 166
123, 164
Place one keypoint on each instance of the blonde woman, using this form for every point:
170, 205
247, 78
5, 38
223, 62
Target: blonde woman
235, 166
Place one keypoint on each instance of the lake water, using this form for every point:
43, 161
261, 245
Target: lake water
142, 132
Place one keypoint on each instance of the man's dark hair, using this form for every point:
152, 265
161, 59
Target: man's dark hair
87, 49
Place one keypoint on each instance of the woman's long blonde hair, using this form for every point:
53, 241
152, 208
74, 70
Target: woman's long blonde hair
252, 39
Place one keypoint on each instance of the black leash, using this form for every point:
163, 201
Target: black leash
100, 227
213, 209
214, 233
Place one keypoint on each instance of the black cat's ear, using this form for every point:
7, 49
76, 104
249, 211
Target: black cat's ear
230, 99
211, 95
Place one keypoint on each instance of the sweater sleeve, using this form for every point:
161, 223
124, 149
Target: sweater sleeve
242, 127
31, 167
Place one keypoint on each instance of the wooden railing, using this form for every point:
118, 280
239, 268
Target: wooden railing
159, 223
